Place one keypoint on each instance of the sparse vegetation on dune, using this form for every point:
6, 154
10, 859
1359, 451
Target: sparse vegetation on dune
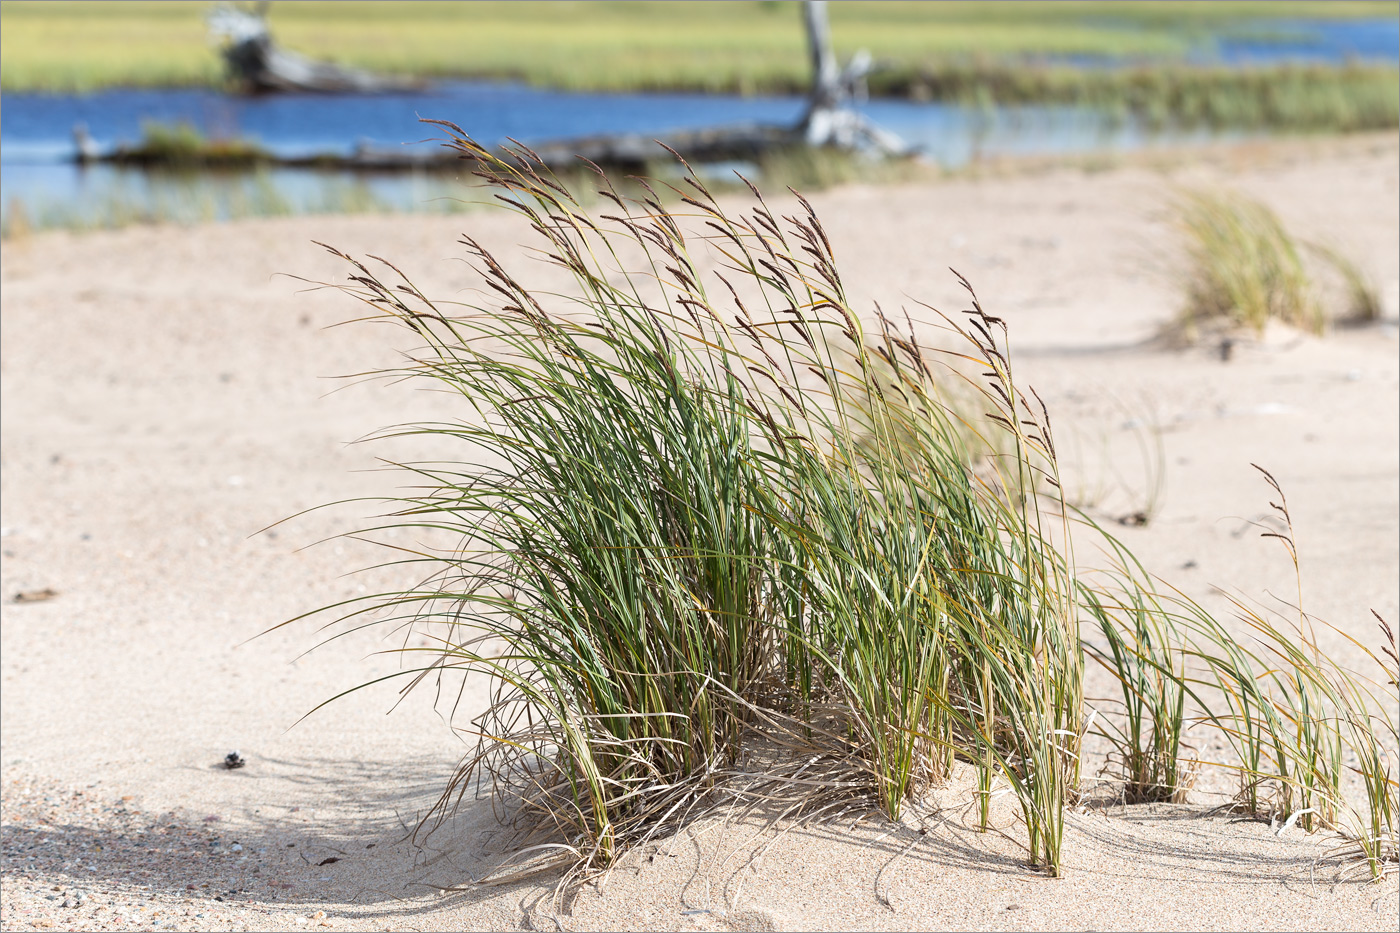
1363, 295
1243, 268
743, 541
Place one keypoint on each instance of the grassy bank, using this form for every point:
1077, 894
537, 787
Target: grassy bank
1297, 98
746, 47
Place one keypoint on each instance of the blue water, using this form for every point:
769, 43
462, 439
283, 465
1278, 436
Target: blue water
36, 143
39, 126
1312, 41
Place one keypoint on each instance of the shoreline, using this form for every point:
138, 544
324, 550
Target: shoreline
1255, 151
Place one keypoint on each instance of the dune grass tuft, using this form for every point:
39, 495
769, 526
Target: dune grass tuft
1243, 268
731, 533
1363, 295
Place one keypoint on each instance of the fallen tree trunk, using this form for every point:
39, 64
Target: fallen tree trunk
258, 66
831, 118
627, 151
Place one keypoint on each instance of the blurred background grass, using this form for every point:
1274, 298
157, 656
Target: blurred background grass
748, 47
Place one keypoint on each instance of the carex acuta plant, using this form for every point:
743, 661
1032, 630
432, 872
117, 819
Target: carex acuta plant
703, 508
1141, 645
1314, 740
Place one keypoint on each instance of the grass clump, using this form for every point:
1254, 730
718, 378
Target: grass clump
17, 224
182, 146
1306, 729
729, 515
1244, 268
739, 543
1145, 652
1363, 295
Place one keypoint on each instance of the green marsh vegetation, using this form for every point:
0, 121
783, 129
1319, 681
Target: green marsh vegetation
176, 175
181, 146
1288, 97
956, 51
743, 546
1243, 268
188, 198
187, 194
755, 46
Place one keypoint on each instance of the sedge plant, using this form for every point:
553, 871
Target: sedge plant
700, 506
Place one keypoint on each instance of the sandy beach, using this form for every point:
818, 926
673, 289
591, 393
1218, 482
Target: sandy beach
167, 394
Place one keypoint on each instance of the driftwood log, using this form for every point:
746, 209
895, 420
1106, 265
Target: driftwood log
628, 152
832, 118
258, 65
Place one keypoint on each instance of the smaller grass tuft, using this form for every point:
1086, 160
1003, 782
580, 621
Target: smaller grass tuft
1243, 267
1363, 296
17, 225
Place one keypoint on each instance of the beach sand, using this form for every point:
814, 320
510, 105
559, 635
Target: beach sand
166, 396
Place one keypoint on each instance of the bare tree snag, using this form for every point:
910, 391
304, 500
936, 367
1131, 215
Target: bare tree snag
259, 66
831, 118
